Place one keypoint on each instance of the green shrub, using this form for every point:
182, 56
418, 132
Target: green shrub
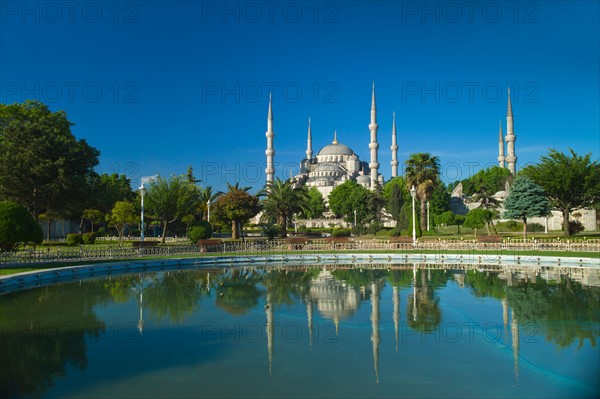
272, 230
341, 232
535, 227
89, 238
510, 225
101, 232
396, 232
200, 231
575, 227
74, 239
384, 233
359, 230
17, 226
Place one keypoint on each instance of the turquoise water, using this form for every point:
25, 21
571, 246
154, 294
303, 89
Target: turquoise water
303, 332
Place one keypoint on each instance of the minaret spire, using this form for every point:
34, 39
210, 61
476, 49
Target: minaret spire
373, 145
334, 137
501, 157
375, 328
309, 152
394, 147
511, 158
270, 151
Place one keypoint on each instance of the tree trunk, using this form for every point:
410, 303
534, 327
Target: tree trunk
164, 234
525, 229
284, 225
423, 214
566, 222
92, 226
234, 230
475, 232
81, 226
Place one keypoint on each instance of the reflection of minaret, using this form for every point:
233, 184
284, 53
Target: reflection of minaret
396, 299
375, 326
269, 307
309, 316
505, 317
373, 145
394, 148
270, 151
208, 281
514, 329
141, 321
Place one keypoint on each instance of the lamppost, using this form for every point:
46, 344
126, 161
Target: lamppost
413, 194
355, 218
208, 211
142, 192
427, 215
295, 223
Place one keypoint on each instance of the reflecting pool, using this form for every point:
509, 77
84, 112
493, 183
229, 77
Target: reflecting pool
304, 332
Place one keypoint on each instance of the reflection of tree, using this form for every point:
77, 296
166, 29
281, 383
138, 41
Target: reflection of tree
43, 330
285, 288
565, 311
400, 278
174, 295
486, 284
237, 292
120, 288
423, 309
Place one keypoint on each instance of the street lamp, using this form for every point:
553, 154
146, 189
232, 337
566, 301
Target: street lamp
208, 211
142, 192
427, 215
355, 218
413, 194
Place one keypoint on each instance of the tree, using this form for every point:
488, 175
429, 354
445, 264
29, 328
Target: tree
49, 168
283, 200
171, 199
17, 226
569, 181
439, 201
206, 196
315, 205
526, 199
477, 218
236, 207
349, 197
422, 172
200, 231
122, 215
93, 215
487, 202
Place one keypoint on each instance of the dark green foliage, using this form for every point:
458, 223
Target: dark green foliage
200, 231
526, 199
283, 200
272, 230
17, 226
341, 232
89, 238
74, 239
510, 225
575, 227
569, 181
49, 168
477, 218
236, 207
422, 172
535, 227
315, 205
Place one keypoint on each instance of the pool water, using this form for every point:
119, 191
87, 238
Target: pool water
304, 332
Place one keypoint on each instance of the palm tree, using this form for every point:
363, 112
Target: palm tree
422, 171
283, 200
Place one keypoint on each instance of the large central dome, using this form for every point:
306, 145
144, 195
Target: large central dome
336, 149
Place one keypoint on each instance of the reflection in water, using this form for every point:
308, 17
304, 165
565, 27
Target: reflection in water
46, 331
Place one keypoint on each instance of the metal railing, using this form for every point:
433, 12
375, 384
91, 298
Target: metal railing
263, 246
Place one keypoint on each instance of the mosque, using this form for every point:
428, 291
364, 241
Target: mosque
336, 162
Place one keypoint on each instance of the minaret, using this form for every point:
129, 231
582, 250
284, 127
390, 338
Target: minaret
511, 158
501, 157
309, 152
270, 152
375, 326
514, 330
373, 146
394, 148
309, 316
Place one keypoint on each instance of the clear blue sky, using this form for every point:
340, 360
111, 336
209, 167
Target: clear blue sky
157, 86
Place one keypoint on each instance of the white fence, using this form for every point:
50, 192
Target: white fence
90, 253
